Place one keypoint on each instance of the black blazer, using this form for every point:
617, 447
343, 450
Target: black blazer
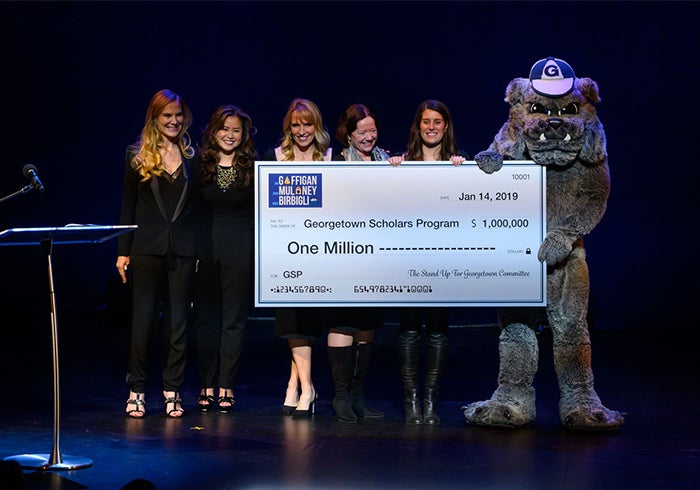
142, 205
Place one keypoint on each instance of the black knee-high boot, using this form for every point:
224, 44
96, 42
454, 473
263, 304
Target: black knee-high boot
408, 351
359, 403
435, 356
342, 360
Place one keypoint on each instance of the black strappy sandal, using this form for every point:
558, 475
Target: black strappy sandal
206, 403
176, 403
140, 411
228, 401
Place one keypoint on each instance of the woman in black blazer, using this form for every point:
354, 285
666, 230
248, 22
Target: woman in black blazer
160, 197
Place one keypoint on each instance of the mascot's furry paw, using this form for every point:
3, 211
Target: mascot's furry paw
590, 416
508, 407
555, 248
489, 161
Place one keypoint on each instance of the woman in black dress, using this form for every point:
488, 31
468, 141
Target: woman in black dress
303, 139
351, 329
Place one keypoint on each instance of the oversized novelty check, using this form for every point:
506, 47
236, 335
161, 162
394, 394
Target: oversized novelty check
420, 234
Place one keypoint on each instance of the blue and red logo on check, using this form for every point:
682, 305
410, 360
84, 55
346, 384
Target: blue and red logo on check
295, 190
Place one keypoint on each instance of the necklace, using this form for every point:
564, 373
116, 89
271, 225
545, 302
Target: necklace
225, 176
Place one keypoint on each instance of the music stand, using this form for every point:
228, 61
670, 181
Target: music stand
47, 237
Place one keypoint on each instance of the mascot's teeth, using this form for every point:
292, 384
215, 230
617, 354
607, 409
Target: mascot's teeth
544, 138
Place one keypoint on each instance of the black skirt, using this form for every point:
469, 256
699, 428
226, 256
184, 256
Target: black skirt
354, 317
298, 323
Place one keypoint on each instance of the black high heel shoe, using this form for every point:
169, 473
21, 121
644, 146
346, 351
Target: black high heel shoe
206, 403
136, 400
289, 409
173, 405
305, 414
226, 402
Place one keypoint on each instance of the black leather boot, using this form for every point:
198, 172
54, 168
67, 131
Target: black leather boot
435, 356
342, 360
408, 353
430, 416
357, 397
411, 405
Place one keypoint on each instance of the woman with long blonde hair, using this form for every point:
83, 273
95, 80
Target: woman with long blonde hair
303, 139
159, 256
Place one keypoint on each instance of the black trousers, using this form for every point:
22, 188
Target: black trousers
435, 318
160, 285
222, 299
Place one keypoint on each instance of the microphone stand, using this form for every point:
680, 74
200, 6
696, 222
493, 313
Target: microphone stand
55, 460
23, 190
47, 237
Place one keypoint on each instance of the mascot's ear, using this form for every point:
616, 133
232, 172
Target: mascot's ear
589, 89
515, 91
509, 141
593, 150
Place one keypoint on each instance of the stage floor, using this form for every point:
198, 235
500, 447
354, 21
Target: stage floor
651, 375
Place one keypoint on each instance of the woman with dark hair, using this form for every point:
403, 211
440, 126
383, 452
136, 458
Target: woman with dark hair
161, 197
351, 330
223, 282
431, 138
358, 131
303, 139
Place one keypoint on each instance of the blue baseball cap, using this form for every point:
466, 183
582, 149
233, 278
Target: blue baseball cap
552, 77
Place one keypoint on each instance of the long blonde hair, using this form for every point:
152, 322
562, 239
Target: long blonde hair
146, 151
308, 111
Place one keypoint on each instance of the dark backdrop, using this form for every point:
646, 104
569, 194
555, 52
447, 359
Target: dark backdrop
77, 77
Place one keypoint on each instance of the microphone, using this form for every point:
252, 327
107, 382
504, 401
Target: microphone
31, 173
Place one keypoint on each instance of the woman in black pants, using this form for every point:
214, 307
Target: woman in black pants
431, 138
436, 321
160, 196
223, 283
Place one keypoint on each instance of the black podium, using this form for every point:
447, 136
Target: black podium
47, 238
